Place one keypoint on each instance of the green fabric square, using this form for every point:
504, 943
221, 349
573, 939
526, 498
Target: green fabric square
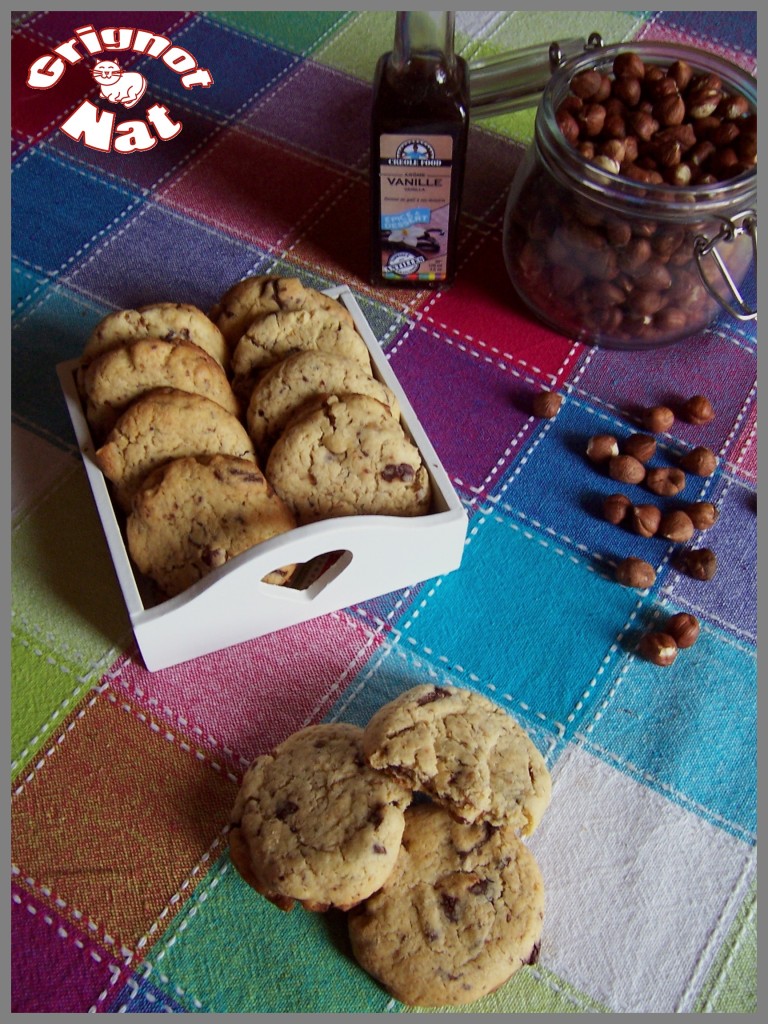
357, 47
297, 31
64, 589
231, 951
731, 985
45, 688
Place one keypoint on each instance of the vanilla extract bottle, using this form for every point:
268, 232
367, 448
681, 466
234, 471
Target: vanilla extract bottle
419, 129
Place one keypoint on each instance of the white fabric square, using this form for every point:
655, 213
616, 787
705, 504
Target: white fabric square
632, 873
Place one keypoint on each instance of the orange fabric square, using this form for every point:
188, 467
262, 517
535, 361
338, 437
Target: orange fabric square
119, 821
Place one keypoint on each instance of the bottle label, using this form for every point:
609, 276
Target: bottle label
415, 175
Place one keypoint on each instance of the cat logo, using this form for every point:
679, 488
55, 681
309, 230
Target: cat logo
97, 128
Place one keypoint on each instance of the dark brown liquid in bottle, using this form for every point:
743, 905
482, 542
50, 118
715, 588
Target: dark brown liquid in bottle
424, 98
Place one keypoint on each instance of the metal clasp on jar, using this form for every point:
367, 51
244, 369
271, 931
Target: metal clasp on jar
741, 224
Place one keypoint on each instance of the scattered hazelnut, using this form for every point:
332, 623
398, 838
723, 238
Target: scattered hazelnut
698, 410
676, 526
701, 461
698, 563
658, 419
644, 519
601, 447
615, 508
684, 629
635, 572
626, 469
702, 514
666, 481
546, 404
640, 446
660, 648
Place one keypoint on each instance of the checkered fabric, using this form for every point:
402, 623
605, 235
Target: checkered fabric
124, 898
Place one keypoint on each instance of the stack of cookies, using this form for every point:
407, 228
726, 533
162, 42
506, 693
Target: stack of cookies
413, 825
217, 431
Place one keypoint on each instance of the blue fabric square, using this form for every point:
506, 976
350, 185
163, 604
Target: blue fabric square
52, 331
697, 748
575, 492
740, 32
729, 599
198, 264
525, 619
79, 209
141, 996
242, 67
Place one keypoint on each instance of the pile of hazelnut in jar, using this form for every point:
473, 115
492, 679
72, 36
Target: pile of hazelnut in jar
657, 125
634, 163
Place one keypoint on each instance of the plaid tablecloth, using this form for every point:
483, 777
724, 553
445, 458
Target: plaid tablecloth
124, 898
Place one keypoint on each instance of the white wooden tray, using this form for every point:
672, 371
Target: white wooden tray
232, 604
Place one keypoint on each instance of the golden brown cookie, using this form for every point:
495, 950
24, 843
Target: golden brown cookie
194, 514
347, 456
166, 321
117, 377
282, 389
274, 336
267, 293
465, 752
460, 914
167, 424
314, 824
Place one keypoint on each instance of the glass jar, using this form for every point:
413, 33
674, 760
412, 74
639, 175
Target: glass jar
625, 263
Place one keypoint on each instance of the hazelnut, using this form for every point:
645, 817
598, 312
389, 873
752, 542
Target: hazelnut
701, 461
684, 629
546, 404
615, 508
698, 563
698, 410
658, 419
635, 572
676, 526
702, 514
601, 447
660, 648
640, 446
644, 519
626, 469
666, 481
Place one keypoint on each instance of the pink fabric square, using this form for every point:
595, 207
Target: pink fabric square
337, 240
241, 701
55, 965
743, 454
252, 188
484, 310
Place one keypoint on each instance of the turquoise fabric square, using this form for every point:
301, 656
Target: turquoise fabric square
527, 617
51, 331
702, 747
26, 285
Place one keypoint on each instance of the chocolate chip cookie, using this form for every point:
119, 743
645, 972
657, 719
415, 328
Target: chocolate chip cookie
166, 321
267, 293
313, 823
465, 752
282, 389
166, 424
274, 336
194, 514
117, 377
459, 915
347, 456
